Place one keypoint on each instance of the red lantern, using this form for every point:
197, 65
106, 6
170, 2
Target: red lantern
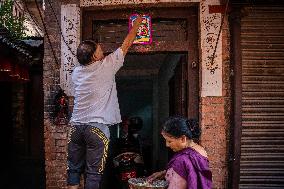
24, 74
5, 66
10, 71
15, 73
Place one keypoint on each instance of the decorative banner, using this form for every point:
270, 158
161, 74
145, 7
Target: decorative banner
144, 33
70, 39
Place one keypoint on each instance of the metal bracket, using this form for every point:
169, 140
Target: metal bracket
193, 64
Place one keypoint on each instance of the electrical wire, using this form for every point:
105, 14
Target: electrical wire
69, 48
47, 35
31, 15
223, 18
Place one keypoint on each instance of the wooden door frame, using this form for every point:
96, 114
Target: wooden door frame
189, 12
189, 47
236, 126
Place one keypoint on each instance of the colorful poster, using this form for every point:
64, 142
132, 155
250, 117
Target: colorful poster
144, 33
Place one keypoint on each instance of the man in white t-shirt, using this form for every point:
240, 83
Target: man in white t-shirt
95, 108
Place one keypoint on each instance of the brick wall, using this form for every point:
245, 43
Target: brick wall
54, 135
215, 120
214, 113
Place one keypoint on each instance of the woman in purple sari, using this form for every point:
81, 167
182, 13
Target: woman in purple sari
189, 167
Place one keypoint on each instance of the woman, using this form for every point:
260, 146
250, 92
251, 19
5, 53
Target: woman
189, 167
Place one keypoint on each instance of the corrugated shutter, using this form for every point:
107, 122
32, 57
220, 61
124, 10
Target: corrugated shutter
262, 141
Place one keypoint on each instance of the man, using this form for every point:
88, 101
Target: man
95, 108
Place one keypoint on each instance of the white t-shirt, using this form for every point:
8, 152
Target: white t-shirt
95, 91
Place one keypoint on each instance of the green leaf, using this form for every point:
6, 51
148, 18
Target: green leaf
14, 25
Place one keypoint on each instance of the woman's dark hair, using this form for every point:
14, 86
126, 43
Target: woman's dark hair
85, 51
177, 126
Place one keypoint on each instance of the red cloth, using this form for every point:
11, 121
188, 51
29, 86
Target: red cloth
13, 72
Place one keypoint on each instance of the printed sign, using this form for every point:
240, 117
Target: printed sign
144, 33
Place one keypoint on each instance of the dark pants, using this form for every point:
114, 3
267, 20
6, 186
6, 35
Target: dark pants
87, 153
109, 178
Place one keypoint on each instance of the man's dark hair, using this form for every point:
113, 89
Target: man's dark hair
85, 51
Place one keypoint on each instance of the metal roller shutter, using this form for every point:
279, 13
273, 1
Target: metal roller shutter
262, 141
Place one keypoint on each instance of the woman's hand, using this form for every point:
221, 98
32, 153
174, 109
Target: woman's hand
157, 175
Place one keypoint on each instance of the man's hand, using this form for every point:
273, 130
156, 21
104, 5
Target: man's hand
138, 21
131, 35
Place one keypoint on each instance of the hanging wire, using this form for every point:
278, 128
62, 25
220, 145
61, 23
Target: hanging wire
223, 18
47, 35
31, 15
57, 22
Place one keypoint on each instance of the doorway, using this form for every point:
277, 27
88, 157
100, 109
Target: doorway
144, 91
145, 84
157, 80
22, 132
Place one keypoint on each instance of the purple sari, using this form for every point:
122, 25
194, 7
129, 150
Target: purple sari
193, 167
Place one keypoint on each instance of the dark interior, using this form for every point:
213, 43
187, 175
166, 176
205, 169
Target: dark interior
143, 91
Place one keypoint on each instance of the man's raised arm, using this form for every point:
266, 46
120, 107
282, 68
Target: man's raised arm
131, 35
